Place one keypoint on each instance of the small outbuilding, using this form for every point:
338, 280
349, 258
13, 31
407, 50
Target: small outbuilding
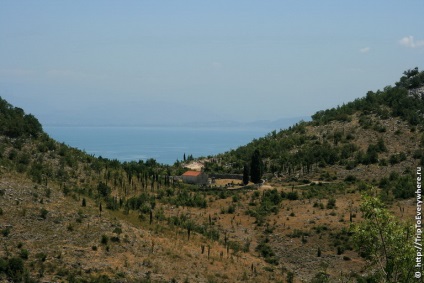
195, 177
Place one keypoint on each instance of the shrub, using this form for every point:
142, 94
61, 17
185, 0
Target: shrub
298, 233
104, 240
231, 209
15, 269
41, 256
331, 204
5, 232
24, 254
48, 192
43, 213
115, 239
266, 251
321, 277
350, 179
292, 196
290, 277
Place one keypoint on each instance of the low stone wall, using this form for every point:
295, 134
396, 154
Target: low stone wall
227, 176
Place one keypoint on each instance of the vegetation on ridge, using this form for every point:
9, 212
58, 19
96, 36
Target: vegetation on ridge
341, 137
100, 220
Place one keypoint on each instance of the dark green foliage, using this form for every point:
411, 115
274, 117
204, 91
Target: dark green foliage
386, 242
371, 156
104, 240
321, 277
112, 203
103, 189
265, 250
293, 150
298, 234
269, 203
381, 146
185, 222
350, 179
101, 279
411, 79
231, 209
319, 229
43, 213
15, 269
393, 97
115, 239
290, 277
14, 123
331, 204
3, 265
245, 174
24, 254
41, 256
342, 240
256, 167
5, 232
135, 203
186, 198
400, 186
292, 195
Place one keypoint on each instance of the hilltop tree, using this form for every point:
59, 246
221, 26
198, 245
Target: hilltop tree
411, 79
14, 123
256, 167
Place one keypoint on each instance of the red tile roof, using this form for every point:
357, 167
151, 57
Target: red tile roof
192, 173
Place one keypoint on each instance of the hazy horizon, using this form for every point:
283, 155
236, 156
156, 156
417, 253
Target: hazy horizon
161, 62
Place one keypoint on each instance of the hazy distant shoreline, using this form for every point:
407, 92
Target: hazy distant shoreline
164, 144
266, 124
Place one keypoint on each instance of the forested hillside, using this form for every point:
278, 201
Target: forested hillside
308, 214
382, 132
14, 123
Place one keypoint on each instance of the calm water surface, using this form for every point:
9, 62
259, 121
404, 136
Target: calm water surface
165, 144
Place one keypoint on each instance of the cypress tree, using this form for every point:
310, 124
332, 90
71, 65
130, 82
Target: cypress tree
256, 167
245, 174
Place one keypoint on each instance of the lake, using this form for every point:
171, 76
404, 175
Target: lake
165, 144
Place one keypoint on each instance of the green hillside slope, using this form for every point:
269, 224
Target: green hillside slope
67, 216
368, 139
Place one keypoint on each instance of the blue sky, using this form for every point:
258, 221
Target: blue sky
158, 62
